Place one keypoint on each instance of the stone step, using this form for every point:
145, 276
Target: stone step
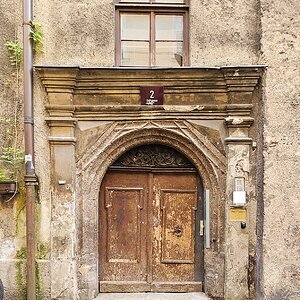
152, 296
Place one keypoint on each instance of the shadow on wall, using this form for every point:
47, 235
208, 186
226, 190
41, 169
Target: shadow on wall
1, 289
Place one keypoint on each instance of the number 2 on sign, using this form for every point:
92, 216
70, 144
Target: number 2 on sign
151, 94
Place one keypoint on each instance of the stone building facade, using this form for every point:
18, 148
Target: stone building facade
231, 111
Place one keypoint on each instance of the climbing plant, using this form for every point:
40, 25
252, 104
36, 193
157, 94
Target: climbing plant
36, 35
11, 157
15, 49
15, 52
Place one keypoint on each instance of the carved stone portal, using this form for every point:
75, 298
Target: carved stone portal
201, 106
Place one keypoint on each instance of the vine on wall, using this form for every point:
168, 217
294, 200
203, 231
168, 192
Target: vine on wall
16, 50
36, 35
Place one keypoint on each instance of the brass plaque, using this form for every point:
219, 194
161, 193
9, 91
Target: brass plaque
237, 214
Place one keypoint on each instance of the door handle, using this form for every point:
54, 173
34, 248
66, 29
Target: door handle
201, 228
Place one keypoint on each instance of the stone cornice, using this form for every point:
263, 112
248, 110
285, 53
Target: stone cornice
81, 80
112, 93
58, 80
241, 79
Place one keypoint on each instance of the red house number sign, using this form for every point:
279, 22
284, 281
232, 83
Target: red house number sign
152, 95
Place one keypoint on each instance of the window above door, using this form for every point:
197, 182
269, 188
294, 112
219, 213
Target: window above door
152, 33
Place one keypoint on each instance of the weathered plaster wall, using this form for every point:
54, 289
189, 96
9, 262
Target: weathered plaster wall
10, 78
79, 33
281, 243
44, 214
224, 32
11, 213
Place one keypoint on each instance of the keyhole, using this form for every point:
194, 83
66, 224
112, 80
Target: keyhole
178, 231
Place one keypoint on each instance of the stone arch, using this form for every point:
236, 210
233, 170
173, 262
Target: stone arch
93, 165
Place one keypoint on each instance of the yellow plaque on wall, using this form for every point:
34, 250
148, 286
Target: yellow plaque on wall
237, 214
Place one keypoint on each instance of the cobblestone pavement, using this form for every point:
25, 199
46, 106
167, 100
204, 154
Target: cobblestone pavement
152, 296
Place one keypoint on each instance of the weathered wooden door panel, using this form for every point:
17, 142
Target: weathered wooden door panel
147, 232
174, 206
123, 249
123, 206
178, 214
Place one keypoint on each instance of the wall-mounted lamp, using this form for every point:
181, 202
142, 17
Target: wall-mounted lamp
239, 193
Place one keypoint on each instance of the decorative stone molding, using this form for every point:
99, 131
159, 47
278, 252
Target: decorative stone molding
241, 79
184, 129
238, 130
61, 122
57, 140
238, 121
239, 140
63, 110
153, 156
59, 85
113, 93
61, 130
58, 79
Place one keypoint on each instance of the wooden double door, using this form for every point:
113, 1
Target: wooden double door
150, 235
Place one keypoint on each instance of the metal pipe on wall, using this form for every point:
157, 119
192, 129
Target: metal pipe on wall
30, 178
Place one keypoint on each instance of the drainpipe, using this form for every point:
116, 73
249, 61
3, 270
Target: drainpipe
30, 177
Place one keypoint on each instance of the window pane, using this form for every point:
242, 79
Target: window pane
169, 27
134, 27
135, 53
169, 54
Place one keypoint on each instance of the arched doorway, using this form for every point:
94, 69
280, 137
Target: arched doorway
151, 223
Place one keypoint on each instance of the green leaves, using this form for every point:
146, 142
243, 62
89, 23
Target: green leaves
2, 176
16, 52
11, 159
36, 34
11, 155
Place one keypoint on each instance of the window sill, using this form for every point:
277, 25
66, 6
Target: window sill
151, 6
